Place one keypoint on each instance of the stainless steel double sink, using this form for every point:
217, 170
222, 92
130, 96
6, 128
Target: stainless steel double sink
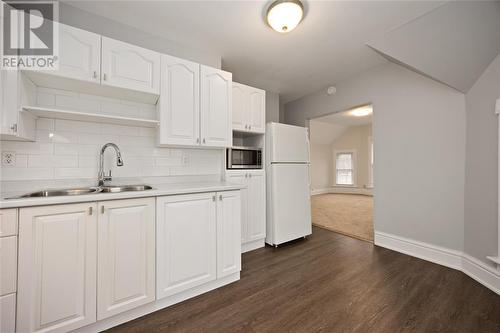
84, 190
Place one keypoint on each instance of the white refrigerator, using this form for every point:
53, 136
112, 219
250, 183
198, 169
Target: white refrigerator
288, 183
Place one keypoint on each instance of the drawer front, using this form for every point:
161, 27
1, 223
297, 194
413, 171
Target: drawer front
8, 262
8, 222
8, 313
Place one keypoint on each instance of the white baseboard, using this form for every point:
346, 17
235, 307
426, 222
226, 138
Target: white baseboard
159, 304
320, 191
250, 246
343, 190
482, 273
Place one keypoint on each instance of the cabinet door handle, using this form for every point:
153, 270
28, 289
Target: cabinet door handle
246, 126
102, 209
249, 127
220, 197
204, 141
104, 77
90, 210
213, 198
14, 128
198, 140
95, 75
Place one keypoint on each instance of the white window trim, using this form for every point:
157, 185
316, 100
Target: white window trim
370, 169
354, 167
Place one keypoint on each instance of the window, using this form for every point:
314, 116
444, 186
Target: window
344, 165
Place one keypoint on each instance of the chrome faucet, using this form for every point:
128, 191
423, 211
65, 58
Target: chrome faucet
119, 162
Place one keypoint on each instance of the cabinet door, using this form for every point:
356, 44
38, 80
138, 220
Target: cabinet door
129, 66
126, 255
186, 242
241, 178
79, 54
256, 228
257, 110
57, 267
240, 107
9, 100
8, 313
179, 102
216, 105
228, 233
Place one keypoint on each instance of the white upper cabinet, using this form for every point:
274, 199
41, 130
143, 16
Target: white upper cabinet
128, 66
249, 109
15, 90
256, 110
228, 233
79, 54
179, 102
216, 105
186, 242
126, 255
240, 107
57, 267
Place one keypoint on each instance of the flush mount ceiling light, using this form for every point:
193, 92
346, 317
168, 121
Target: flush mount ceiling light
284, 15
362, 111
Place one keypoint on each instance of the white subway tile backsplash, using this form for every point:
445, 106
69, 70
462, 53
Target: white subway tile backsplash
45, 124
77, 126
39, 161
26, 173
33, 148
67, 150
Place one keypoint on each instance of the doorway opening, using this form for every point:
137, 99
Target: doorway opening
342, 161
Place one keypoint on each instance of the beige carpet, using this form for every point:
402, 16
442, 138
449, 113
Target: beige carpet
348, 214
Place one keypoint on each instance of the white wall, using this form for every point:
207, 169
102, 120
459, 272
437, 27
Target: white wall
419, 134
272, 107
355, 138
321, 167
481, 197
101, 25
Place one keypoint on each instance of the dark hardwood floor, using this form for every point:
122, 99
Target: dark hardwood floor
333, 283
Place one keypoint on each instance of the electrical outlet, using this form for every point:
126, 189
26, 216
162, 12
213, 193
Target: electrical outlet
8, 158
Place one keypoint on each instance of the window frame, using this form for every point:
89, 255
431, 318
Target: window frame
353, 152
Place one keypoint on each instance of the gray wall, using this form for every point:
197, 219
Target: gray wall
419, 135
272, 107
101, 25
481, 175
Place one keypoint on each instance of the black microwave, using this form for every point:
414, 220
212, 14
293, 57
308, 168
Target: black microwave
244, 158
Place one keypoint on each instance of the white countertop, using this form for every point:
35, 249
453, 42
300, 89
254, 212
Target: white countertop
158, 190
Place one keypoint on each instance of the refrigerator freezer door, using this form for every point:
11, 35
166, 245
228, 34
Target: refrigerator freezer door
290, 205
288, 144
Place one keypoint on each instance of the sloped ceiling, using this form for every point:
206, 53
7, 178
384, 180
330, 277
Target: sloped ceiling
452, 44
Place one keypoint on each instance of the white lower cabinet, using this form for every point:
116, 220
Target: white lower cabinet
8, 313
228, 233
79, 263
197, 240
253, 202
126, 255
186, 242
57, 267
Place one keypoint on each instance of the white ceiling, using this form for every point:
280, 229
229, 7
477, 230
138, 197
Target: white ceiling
346, 119
327, 47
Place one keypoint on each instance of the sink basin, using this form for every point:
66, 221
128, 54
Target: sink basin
84, 190
125, 188
62, 192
